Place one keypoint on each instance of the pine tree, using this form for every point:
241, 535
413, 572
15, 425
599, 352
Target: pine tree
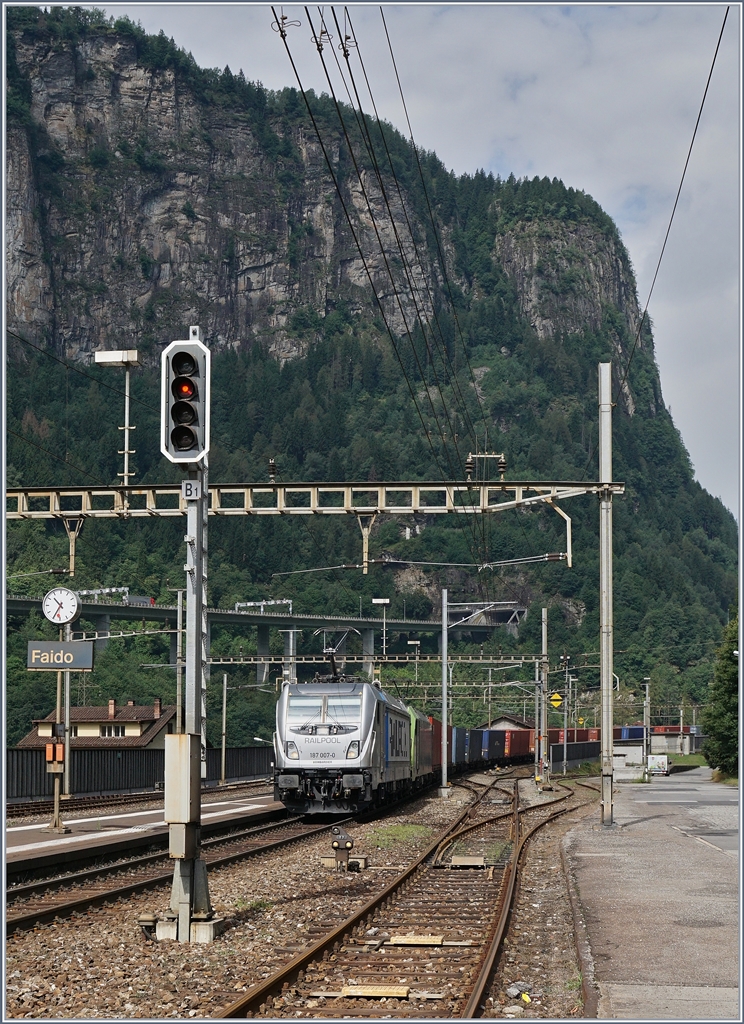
721, 716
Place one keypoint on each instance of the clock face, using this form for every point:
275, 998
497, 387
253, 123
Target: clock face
61, 605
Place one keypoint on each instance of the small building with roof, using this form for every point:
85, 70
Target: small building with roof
508, 721
142, 726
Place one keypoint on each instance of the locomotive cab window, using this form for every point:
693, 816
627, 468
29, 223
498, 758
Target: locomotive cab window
343, 710
304, 710
323, 715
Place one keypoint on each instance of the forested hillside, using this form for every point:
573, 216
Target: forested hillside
145, 195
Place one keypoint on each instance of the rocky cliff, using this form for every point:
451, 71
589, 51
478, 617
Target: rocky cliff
139, 202
134, 209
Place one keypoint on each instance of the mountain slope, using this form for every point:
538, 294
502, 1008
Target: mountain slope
146, 195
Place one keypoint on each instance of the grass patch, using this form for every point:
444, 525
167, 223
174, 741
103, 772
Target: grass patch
384, 838
252, 905
694, 760
588, 768
727, 780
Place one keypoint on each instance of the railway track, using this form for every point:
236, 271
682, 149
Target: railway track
37, 902
427, 944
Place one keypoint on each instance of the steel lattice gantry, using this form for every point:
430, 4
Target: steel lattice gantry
73, 505
403, 498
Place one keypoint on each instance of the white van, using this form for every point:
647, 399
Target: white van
659, 764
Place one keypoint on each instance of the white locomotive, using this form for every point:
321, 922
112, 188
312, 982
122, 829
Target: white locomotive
342, 745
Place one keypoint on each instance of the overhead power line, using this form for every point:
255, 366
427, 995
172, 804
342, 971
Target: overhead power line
280, 27
674, 208
639, 331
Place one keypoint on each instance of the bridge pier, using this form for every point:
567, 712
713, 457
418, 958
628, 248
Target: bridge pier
102, 624
368, 652
290, 652
262, 648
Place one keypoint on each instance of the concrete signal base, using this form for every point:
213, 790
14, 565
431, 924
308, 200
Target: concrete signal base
201, 931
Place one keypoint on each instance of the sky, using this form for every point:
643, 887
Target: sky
604, 97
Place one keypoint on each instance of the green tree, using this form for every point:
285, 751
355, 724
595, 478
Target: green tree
721, 716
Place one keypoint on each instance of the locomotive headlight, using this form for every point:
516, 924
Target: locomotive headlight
292, 751
353, 749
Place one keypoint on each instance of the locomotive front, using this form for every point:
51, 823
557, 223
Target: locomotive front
323, 746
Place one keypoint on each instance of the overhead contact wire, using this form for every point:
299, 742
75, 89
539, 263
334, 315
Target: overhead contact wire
410, 275
666, 236
443, 350
408, 270
674, 208
319, 47
446, 357
283, 34
442, 259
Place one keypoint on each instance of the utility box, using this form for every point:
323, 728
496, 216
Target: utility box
182, 779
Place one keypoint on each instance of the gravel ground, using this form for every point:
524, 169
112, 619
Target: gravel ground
539, 956
100, 965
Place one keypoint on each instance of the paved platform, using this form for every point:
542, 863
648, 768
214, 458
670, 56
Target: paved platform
657, 901
30, 846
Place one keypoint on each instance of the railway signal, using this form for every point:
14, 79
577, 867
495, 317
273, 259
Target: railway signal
185, 376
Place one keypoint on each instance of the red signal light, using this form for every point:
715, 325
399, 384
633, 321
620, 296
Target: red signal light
184, 388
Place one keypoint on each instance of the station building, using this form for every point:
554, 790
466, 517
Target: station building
141, 726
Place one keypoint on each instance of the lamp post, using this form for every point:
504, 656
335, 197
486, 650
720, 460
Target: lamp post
417, 645
224, 727
565, 658
384, 601
126, 358
646, 723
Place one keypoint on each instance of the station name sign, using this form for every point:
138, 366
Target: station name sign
53, 656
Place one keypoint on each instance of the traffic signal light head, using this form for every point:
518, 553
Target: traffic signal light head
184, 428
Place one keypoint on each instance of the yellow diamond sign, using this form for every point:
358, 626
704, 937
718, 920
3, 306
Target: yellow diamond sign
556, 700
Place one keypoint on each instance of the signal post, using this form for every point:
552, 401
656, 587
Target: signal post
185, 394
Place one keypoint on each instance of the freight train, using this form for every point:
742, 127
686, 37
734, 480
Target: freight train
342, 745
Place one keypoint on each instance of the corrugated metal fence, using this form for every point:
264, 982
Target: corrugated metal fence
115, 771
576, 753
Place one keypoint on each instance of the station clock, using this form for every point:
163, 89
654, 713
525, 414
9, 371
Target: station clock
61, 606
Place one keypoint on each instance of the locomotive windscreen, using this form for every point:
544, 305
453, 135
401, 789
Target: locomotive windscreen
304, 709
316, 710
344, 710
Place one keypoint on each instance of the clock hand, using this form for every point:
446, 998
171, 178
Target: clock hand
59, 608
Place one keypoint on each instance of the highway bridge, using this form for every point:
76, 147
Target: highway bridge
474, 620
